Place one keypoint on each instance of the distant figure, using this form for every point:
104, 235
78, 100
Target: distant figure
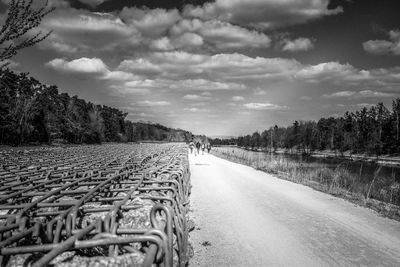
191, 146
198, 145
208, 148
203, 147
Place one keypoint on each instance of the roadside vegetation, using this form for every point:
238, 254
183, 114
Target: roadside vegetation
369, 131
32, 113
382, 195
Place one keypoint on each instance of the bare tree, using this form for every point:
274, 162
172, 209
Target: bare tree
21, 18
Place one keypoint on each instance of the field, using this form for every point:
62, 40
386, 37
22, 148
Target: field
101, 205
382, 195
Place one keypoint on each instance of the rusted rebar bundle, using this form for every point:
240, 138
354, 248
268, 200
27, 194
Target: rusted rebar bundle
115, 204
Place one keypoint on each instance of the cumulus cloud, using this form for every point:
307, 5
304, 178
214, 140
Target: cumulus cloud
188, 40
264, 106
384, 47
119, 76
81, 65
180, 65
150, 22
338, 73
80, 30
222, 35
299, 44
332, 70
140, 66
263, 13
163, 44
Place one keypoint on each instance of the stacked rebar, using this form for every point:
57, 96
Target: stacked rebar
114, 204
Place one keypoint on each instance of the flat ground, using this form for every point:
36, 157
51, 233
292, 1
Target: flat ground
246, 217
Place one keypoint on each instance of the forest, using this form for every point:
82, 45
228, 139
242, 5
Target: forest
34, 113
373, 131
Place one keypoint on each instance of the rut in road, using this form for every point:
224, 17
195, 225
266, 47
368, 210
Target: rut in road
246, 217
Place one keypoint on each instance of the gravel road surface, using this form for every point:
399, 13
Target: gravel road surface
246, 217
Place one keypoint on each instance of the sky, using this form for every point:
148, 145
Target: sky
224, 67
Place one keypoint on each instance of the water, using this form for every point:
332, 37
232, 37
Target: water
362, 169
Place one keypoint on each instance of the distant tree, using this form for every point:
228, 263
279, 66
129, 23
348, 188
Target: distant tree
396, 121
255, 140
15, 33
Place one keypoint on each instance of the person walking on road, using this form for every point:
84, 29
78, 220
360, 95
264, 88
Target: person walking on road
203, 147
191, 146
198, 145
208, 148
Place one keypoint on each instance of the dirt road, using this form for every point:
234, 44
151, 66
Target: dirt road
246, 217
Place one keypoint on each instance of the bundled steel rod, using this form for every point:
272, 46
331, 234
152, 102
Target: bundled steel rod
114, 204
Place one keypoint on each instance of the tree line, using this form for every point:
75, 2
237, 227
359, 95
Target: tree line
373, 130
32, 113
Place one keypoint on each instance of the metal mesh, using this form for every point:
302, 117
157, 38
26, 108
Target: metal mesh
113, 204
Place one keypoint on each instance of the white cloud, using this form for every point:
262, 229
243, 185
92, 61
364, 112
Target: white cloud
222, 35
332, 70
360, 94
263, 13
163, 44
182, 65
80, 30
185, 40
238, 98
119, 76
81, 65
264, 106
84, 21
150, 22
370, 93
384, 47
148, 103
299, 44
140, 66
188, 39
